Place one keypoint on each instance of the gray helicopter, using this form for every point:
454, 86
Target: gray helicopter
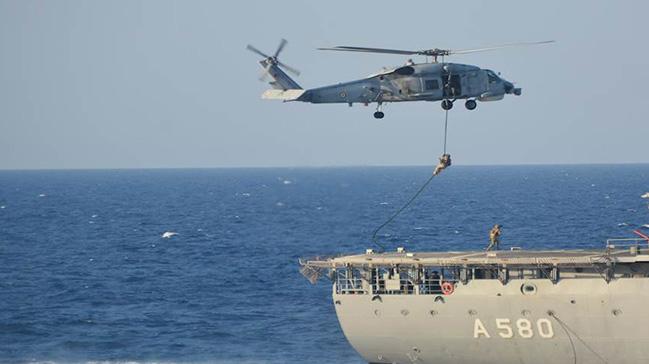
429, 81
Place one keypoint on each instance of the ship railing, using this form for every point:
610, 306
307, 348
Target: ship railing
626, 243
392, 281
409, 280
312, 268
349, 281
433, 278
431, 286
405, 286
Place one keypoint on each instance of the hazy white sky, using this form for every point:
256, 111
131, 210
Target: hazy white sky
111, 84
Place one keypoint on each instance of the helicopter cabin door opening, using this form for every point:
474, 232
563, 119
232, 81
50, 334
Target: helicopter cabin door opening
453, 88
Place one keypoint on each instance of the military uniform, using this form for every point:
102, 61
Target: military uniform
494, 238
444, 161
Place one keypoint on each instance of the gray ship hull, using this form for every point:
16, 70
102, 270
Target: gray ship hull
586, 320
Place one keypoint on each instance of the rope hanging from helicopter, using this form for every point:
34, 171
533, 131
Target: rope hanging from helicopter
445, 130
448, 82
445, 161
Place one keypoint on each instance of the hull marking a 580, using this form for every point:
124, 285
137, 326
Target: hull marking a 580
507, 329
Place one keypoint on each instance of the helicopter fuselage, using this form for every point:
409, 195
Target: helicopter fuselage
445, 82
416, 82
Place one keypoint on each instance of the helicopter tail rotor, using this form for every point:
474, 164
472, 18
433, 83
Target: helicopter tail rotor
273, 60
273, 68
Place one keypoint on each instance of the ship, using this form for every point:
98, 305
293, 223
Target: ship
488, 307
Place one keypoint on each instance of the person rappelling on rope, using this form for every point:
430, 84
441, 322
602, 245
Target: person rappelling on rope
494, 238
444, 161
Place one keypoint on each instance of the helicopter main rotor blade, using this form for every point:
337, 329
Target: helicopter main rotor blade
281, 46
464, 51
369, 50
434, 52
255, 50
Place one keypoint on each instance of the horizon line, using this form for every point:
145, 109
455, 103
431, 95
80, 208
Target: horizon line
27, 169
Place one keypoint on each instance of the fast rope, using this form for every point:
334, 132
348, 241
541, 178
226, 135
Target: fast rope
569, 331
445, 129
412, 199
572, 344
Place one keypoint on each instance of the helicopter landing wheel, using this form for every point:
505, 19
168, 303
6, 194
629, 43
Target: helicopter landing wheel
379, 115
447, 104
470, 104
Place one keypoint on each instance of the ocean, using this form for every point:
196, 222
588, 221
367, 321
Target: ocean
86, 276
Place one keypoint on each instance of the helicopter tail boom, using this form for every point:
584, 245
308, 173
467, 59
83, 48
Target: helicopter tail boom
280, 80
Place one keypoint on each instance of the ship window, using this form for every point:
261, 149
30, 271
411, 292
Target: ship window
432, 85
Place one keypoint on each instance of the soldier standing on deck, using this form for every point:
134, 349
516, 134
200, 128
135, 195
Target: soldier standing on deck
494, 237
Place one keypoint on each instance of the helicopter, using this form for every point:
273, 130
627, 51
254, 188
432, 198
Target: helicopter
429, 81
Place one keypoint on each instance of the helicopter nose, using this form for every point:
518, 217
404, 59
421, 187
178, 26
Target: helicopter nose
509, 89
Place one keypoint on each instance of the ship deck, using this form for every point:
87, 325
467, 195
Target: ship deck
480, 258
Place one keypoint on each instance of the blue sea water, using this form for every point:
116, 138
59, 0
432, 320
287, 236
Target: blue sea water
86, 276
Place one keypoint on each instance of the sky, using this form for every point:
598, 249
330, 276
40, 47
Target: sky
169, 84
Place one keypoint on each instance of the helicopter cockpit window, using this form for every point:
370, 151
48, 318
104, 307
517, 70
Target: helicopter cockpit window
432, 85
492, 76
